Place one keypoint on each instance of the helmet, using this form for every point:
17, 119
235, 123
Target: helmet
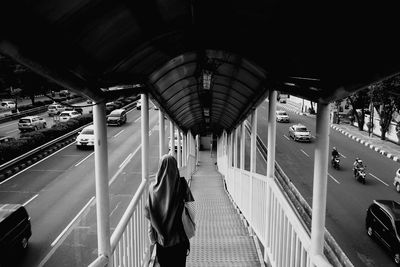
334, 148
357, 159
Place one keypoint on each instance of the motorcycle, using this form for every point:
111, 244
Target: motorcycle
335, 163
359, 174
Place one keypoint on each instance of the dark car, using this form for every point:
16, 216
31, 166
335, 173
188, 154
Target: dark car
383, 223
117, 117
15, 231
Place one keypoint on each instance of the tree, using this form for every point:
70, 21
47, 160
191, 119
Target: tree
358, 101
385, 102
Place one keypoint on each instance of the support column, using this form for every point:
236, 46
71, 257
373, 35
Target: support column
271, 134
101, 178
145, 136
172, 138
184, 152
161, 135
253, 142
242, 145
321, 157
179, 147
235, 148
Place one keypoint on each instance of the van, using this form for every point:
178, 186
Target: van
7, 104
15, 230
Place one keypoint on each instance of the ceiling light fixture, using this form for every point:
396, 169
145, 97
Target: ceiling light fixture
207, 75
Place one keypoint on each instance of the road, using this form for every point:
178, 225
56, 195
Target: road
61, 188
347, 199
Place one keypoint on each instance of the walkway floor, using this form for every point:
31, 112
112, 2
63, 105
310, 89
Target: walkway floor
222, 238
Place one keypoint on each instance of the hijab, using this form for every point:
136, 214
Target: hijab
165, 203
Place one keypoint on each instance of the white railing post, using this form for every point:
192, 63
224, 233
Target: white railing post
161, 135
145, 136
320, 180
172, 139
235, 148
253, 142
179, 156
271, 134
101, 177
184, 152
242, 145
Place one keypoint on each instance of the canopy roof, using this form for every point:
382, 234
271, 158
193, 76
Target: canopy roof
317, 50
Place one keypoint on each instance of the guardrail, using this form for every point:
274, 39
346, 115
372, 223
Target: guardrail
303, 209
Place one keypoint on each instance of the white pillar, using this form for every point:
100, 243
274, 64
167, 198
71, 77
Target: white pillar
184, 152
242, 145
231, 148
179, 147
145, 136
321, 157
101, 177
172, 138
253, 142
161, 135
271, 134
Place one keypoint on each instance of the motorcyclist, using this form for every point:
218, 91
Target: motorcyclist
335, 153
357, 164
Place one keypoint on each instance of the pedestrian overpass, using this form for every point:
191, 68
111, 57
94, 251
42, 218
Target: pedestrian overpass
208, 65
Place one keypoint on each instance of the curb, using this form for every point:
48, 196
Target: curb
371, 146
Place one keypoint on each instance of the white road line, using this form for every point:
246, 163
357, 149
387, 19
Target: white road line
116, 207
120, 132
304, 152
342, 155
126, 159
137, 119
333, 178
286, 137
12, 131
32, 198
378, 179
122, 166
72, 222
35, 164
84, 159
3, 126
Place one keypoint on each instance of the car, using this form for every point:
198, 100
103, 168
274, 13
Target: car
31, 123
382, 222
85, 138
7, 104
117, 117
299, 132
69, 114
79, 110
15, 231
396, 181
110, 106
55, 109
64, 93
6, 139
139, 104
282, 116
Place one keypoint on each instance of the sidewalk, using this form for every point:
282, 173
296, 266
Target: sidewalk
386, 148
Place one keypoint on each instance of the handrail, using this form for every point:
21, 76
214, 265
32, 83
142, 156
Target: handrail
119, 230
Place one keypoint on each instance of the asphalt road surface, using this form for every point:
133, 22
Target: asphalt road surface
347, 199
59, 191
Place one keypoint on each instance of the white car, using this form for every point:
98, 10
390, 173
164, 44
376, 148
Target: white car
282, 116
86, 137
139, 104
299, 132
7, 104
31, 123
55, 109
69, 114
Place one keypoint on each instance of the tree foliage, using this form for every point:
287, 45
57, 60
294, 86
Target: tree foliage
358, 101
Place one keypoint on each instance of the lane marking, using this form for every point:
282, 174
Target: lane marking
72, 222
137, 119
342, 155
304, 152
32, 198
85, 158
122, 166
36, 163
333, 178
12, 131
11, 124
286, 137
120, 132
116, 207
378, 179
126, 159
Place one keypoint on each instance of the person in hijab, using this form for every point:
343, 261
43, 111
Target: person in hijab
164, 208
